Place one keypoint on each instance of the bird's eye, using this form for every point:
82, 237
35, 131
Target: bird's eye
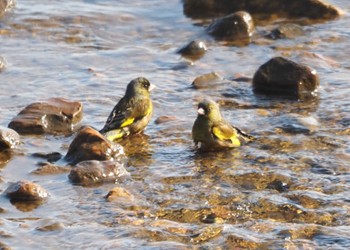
146, 85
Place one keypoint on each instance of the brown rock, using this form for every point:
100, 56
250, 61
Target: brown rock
26, 191
165, 119
89, 144
97, 172
119, 193
206, 80
47, 168
312, 9
8, 138
237, 27
281, 76
56, 115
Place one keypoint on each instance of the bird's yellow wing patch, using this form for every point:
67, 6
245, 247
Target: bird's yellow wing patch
226, 136
127, 122
114, 135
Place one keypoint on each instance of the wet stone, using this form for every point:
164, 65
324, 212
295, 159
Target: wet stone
237, 27
207, 80
48, 225
311, 9
118, 194
8, 138
194, 50
165, 119
54, 116
98, 172
288, 30
26, 191
89, 144
50, 157
238, 241
283, 77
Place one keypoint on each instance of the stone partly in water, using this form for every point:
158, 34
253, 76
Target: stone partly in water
54, 116
237, 27
311, 9
288, 30
26, 191
8, 138
194, 50
209, 80
281, 76
89, 144
97, 172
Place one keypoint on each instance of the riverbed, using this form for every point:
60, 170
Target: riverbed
289, 189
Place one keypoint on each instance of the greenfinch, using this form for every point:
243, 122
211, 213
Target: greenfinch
211, 132
132, 113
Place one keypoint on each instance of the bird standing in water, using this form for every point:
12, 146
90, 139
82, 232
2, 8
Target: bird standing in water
211, 132
132, 113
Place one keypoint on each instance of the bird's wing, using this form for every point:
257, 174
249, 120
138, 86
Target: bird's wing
226, 132
126, 113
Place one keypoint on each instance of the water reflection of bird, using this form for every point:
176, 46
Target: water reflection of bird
132, 113
212, 132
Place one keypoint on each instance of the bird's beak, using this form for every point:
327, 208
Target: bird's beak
151, 87
200, 111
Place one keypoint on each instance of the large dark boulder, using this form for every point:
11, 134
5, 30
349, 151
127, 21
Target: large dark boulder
238, 26
312, 9
281, 76
8, 138
89, 144
97, 172
54, 116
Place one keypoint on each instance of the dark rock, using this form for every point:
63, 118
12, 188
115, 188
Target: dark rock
288, 30
8, 138
311, 9
237, 27
194, 50
97, 172
280, 76
6, 5
89, 144
50, 157
26, 191
206, 81
56, 115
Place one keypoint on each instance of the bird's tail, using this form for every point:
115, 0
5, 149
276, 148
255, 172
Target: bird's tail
244, 137
115, 134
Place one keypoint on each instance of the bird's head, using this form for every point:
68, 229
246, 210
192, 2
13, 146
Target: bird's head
209, 109
139, 86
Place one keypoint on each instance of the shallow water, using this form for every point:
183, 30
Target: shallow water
287, 190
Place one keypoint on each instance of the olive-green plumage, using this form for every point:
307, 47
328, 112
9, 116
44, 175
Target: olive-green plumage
211, 132
132, 113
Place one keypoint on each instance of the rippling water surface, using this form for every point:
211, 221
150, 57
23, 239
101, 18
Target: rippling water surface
287, 190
